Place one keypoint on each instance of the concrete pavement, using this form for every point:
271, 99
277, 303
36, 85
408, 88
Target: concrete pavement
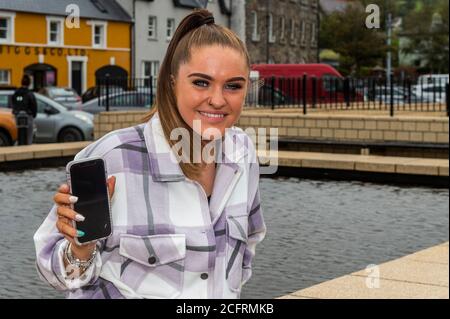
422, 275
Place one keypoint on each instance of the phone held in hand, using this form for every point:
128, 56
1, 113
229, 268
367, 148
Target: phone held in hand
87, 179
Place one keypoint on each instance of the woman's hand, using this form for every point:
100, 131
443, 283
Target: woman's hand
63, 199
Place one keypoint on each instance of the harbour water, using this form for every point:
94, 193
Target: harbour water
317, 230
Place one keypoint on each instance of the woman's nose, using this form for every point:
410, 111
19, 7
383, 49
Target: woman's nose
217, 99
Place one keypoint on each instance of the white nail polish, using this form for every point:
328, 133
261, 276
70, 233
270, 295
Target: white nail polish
79, 218
73, 199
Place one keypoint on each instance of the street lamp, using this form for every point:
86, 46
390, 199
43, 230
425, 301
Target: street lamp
388, 43
267, 30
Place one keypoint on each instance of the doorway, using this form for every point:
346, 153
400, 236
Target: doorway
41, 74
77, 76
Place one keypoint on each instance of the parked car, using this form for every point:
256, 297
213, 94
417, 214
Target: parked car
55, 123
265, 95
383, 94
8, 128
431, 92
400, 95
125, 101
94, 92
68, 97
329, 81
439, 79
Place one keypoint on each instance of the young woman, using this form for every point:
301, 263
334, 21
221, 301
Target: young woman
182, 228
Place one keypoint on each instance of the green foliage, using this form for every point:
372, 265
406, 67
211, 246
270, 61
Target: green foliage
427, 29
361, 48
346, 34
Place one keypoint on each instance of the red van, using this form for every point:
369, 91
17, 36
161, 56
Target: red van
288, 83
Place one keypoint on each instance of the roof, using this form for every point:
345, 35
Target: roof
330, 6
95, 9
192, 4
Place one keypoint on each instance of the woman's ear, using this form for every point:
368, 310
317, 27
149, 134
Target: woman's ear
172, 80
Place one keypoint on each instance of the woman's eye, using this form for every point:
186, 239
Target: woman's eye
235, 86
200, 83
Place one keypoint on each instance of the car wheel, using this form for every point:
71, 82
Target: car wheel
70, 134
4, 139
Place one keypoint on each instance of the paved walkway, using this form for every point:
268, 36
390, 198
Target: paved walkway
367, 163
39, 151
422, 275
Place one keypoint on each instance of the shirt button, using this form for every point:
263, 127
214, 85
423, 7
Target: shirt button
152, 260
204, 276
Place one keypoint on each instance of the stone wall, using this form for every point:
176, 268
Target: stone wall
316, 126
353, 127
105, 122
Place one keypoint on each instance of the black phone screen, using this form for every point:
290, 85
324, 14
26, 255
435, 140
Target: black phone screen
88, 182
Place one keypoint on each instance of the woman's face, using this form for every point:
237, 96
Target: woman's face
211, 88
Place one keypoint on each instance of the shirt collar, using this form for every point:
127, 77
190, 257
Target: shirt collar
163, 162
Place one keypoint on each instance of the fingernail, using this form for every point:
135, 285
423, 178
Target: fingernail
73, 199
80, 233
79, 218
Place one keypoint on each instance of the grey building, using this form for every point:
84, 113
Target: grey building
155, 22
283, 31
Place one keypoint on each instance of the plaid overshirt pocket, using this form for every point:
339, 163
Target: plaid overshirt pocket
153, 266
237, 236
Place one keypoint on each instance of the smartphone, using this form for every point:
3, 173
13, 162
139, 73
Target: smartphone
87, 180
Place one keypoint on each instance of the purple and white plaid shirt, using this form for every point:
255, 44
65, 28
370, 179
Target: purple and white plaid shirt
167, 241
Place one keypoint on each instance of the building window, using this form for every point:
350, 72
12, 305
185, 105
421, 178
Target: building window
255, 33
150, 69
282, 28
55, 34
271, 36
152, 28
293, 37
99, 34
170, 28
303, 34
4, 28
5, 77
7, 27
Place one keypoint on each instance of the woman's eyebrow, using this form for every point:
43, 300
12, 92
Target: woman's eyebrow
237, 78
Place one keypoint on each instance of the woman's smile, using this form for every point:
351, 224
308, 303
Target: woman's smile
212, 117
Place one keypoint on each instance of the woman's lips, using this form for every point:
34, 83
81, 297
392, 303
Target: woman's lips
212, 117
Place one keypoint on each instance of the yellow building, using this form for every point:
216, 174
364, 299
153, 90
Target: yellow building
63, 43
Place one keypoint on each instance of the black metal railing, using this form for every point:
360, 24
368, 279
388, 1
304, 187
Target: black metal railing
133, 92
333, 93
306, 92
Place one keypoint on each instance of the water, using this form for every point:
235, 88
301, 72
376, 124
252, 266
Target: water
317, 230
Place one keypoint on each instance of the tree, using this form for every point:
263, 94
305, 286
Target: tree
427, 30
346, 34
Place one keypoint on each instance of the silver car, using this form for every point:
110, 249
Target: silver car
123, 101
65, 96
54, 123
